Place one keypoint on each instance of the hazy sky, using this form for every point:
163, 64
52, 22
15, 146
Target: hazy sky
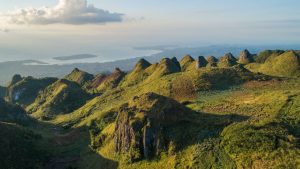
48, 28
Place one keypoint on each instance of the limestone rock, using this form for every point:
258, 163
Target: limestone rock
212, 61
201, 62
186, 61
245, 57
228, 60
142, 124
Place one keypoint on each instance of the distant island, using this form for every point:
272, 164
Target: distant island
75, 57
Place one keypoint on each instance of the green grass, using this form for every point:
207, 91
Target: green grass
284, 65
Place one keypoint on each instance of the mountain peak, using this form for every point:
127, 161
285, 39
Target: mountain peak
79, 76
142, 64
201, 62
245, 57
227, 60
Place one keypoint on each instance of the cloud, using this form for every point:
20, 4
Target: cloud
74, 12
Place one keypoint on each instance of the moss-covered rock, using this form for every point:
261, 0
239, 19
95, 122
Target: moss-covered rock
227, 60
142, 125
201, 62
165, 67
212, 61
186, 61
245, 57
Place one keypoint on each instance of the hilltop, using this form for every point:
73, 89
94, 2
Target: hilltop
61, 97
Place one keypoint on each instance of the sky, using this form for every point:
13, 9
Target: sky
42, 29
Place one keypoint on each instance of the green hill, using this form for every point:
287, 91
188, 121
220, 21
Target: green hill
61, 97
165, 67
24, 91
111, 81
148, 118
264, 55
79, 76
186, 61
286, 64
227, 60
138, 74
212, 61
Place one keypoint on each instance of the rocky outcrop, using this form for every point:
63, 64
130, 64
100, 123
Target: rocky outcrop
175, 61
186, 61
212, 61
165, 67
228, 60
142, 64
143, 125
245, 57
201, 62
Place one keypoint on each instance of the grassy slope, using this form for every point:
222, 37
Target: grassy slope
265, 139
284, 65
181, 86
61, 97
25, 91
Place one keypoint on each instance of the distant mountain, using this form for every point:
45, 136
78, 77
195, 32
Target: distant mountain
75, 57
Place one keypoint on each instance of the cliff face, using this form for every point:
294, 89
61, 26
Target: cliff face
143, 123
